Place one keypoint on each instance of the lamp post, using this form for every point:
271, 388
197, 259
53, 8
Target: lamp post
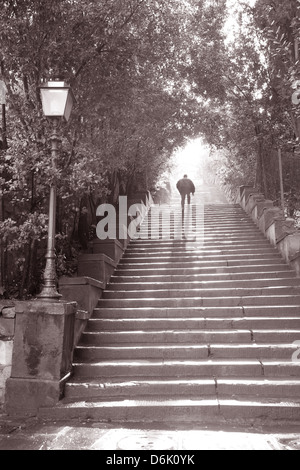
57, 102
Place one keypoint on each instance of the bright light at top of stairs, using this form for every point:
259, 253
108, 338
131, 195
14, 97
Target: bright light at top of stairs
189, 159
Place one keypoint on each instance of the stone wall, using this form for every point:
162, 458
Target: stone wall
7, 331
280, 231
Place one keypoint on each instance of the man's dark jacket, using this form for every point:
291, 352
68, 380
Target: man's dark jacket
185, 186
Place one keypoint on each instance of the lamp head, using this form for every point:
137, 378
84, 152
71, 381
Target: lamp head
57, 99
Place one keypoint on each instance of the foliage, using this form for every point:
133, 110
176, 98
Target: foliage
147, 75
130, 66
259, 118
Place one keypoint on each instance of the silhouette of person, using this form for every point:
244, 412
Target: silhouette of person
185, 187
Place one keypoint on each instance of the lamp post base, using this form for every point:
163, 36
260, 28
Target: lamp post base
50, 294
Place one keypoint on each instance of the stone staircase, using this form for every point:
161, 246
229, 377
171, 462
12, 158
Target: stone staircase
192, 331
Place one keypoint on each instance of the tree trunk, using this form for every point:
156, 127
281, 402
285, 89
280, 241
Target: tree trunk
264, 174
3, 147
31, 287
24, 280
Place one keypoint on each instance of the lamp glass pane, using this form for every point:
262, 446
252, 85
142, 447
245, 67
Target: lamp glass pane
54, 101
69, 106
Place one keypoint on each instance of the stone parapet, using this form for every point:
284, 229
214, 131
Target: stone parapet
114, 249
259, 207
252, 202
86, 292
280, 231
97, 266
245, 193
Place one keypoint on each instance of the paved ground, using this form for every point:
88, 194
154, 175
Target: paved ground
31, 434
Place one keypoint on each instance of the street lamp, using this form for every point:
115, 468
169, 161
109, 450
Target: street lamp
57, 102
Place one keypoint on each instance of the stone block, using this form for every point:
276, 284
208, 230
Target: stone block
6, 349
42, 354
246, 191
96, 266
295, 264
5, 372
114, 249
25, 396
249, 194
9, 312
243, 189
41, 332
290, 246
86, 292
268, 217
279, 229
83, 290
260, 207
271, 215
7, 327
7, 308
252, 202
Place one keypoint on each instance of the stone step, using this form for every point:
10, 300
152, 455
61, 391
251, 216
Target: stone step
173, 219
145, 270
188, 368
143, 323
197, 331
240, 313
201, 292
209, 240
199, 411
201, 247
212, 301
167, 336
186, 387
88, 354
145, 285
200, 223
137, 252
196, 226
199, 263
140, 253
200, 336
213, 284
204, 238
206, 278
190, 258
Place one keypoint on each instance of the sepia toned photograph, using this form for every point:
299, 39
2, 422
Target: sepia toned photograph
149, 228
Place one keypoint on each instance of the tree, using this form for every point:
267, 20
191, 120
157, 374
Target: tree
129, 64
259, 118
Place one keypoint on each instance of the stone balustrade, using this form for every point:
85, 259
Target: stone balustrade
280, 231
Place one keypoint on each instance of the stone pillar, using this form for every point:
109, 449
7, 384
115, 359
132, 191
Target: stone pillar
7, 331
42, 355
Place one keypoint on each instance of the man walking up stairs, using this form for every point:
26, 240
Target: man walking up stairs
192, 331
